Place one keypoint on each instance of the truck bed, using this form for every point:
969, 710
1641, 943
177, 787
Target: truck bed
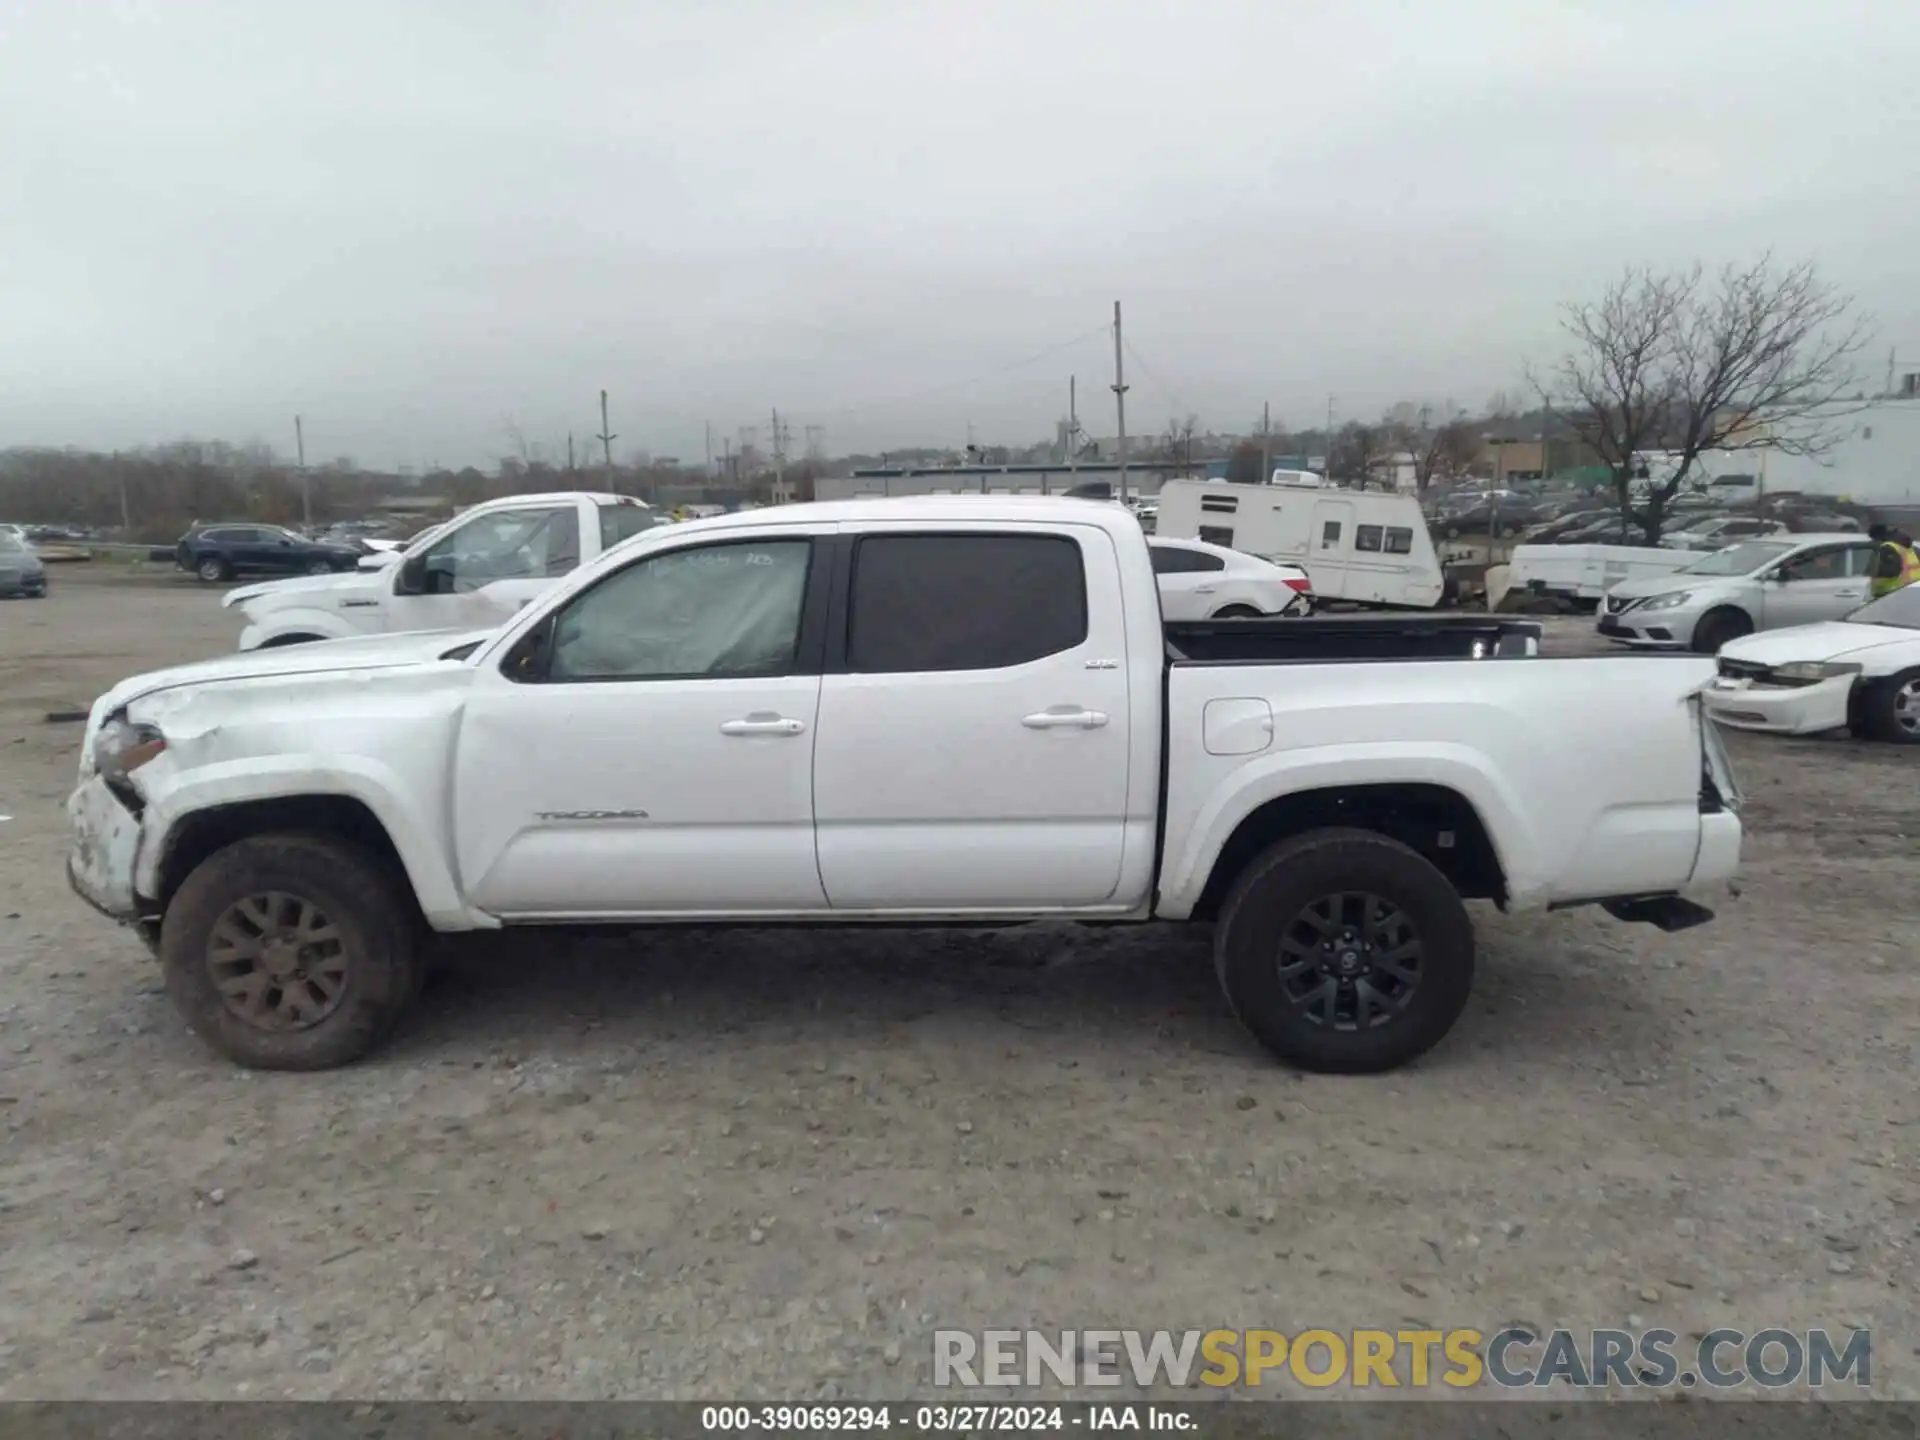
1253, 642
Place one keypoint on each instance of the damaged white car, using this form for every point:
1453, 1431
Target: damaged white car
1861, 673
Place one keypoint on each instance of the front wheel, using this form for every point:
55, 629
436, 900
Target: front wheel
1345, 952
290, 952
1893, 711
1717, 627
319, 567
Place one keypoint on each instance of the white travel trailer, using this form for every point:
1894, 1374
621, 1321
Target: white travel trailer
1365, 546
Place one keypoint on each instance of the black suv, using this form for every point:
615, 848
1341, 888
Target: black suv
220, 552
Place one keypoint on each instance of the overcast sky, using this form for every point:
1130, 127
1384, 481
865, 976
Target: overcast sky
422, 222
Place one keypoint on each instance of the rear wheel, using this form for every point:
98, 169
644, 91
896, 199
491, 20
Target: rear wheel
290, 952
1237, 612
1717, 627
1345, 951
213, 569
1893, 714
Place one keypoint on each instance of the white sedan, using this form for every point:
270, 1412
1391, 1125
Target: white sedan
1199, 581
1861, 673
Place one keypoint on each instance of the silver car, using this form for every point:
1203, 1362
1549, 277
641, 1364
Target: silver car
21, 572
1754, 585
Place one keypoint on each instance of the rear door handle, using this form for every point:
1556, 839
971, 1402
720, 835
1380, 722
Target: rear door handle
1065, 717
762, 725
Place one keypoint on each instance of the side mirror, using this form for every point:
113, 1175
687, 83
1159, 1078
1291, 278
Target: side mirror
413, 576
531, 655
1779, 577
284, 541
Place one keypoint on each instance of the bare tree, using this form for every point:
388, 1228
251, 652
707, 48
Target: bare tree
1436, 451
1763, 362
1613, 388
1243, 465
1176, 445
1355, 451
1761, 358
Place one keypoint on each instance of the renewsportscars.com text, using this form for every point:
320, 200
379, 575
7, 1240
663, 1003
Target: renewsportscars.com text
1510, 1358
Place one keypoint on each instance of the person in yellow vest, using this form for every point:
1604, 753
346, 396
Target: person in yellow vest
1895, 563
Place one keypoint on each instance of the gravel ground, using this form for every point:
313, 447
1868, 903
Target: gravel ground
771, 1163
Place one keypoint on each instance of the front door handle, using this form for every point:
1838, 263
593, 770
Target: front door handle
1065, 717
761, 724
1203, 589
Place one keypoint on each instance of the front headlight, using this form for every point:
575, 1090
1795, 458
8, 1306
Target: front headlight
1667, 602
1813, 670
122, 747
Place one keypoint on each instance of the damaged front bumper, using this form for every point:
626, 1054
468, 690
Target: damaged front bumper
106, 848
1743, 703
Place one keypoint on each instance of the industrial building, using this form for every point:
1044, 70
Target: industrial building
1874, 460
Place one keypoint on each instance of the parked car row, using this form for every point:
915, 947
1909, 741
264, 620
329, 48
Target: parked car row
1799, 647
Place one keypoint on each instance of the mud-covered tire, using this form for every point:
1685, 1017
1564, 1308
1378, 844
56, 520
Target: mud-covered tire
1892, 710
377, 930
1717, 627
1280, 886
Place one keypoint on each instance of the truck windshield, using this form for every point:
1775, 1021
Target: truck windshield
1741, 559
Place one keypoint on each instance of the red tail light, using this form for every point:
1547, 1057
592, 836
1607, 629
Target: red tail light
1303, 585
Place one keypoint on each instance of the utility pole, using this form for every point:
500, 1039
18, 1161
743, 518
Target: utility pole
606, 438
779, 455
569, 452
300, 455
1329, 455
1073, 422
1119, 388
1266, 442
126, 515
726, 460
709, 447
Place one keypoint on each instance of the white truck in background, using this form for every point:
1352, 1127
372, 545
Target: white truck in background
474, 570
1362, 546
933, 711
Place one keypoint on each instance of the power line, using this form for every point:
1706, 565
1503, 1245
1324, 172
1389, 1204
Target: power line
1173, 396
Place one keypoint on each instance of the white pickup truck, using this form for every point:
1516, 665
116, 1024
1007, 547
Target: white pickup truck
475, 570
940, 711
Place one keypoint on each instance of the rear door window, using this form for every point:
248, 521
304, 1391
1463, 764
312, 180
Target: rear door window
963, 602
623, 522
